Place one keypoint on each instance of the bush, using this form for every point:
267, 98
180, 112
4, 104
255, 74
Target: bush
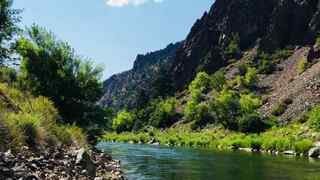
8, 75
279, 109
303, 146
252, 123
164, 114
314, 117
251, 77
226, 108
218, 80
123, 121
233, 51
202, 116
51, 68
249, 103
302, 65
199, 85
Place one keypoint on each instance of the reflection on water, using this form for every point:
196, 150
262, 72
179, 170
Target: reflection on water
152, 162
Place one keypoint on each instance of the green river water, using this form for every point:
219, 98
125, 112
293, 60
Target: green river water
141, 162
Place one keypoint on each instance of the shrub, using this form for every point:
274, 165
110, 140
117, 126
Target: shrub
251, 77
233, 49
123, 121
226, 108
303, 146
318, 40
302, 65
190, 111
218, 80
252, 123
50, 68
266, 66
8, 75
314, 117
249, 103
202, 116
199, 85
164, 114
279, 109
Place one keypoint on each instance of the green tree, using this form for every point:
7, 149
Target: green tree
227, 108
124, 121
233, 49
164, 114
199, 85
51, 68
8, 29
314, 117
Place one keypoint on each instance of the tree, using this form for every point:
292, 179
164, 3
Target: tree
164, 114
124, 121
8, 28
51, 68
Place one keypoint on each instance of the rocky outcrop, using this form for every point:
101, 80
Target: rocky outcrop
268, 24
123, 90
57, 164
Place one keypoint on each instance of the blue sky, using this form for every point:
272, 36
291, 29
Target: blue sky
113, 32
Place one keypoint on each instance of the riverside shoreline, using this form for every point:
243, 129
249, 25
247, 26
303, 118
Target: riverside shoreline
59, 164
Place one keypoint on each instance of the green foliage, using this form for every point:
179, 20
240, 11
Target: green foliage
8, 75
124, 121
51, 68
33, 121
303, 146
201, 116
302, 65
233, 49
251, 77
276, 139
8, 29
265, 64
318, 40
218, 80
226, 107
279, 109
164, 114
162, 86
249, 103
199, 86
314, 117
252, 123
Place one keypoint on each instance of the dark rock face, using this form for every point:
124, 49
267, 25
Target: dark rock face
122, 90
268, 24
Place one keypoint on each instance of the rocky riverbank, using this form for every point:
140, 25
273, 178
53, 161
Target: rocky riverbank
59, 164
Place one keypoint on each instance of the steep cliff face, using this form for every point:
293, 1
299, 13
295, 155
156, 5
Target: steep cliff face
268, 24
124, 90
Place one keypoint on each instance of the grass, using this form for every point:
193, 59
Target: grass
302, 65
276, 139
33, 121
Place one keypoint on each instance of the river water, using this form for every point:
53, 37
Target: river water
141, 162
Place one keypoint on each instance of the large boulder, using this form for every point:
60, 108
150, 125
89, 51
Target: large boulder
84, 159
314, 152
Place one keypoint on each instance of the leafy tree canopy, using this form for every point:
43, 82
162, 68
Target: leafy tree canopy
51, 68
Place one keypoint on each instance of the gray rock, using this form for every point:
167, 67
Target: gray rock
314, 152
289, 152
84, 159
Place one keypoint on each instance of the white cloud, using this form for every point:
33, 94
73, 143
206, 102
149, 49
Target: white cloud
121, 3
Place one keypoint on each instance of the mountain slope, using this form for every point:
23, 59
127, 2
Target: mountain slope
268, 24
124, 90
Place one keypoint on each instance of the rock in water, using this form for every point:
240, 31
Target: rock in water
314, 152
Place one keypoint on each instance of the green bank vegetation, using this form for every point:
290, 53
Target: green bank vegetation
48, 93
221, 113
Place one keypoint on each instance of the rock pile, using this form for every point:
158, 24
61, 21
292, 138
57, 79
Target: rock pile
59, 164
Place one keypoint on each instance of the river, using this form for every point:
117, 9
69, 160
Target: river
147, 162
